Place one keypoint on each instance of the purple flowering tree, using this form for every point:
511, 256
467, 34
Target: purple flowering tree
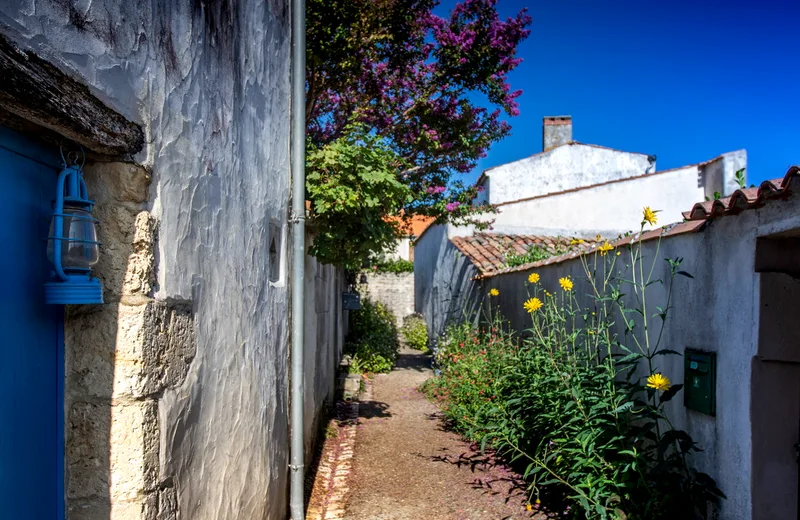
413, 79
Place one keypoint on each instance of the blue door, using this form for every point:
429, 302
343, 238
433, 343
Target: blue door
31, 345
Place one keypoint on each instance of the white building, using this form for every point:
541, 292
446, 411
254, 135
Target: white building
569, 189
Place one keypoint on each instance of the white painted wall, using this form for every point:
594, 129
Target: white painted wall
716, 311
563, 168
614, 208
401, 251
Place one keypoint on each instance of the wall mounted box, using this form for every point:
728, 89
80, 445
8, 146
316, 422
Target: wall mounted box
700, 381
351, 301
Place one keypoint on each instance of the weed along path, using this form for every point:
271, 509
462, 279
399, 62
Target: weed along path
405, 466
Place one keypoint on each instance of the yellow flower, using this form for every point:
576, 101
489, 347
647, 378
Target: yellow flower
649, 216
565, 283
619, 253
528, 507
659, 382
598, 238
605, 248
576, 241
533, 278
494, 292
533, 305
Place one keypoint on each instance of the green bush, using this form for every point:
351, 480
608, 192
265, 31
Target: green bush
569, 403
372, 337
393, 266
415, 332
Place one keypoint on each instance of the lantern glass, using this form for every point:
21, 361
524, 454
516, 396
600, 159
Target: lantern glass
79, 249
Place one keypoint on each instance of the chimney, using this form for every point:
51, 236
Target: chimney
556, 130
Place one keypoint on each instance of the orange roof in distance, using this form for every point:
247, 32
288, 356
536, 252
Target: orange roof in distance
414, 226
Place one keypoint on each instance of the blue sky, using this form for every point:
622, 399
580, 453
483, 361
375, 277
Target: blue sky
683, 80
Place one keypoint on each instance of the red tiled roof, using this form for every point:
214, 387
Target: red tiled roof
488, 251
746, 198
589, 246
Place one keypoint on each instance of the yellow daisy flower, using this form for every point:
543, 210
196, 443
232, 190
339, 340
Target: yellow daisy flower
659, 382
565, 283
533, 305
494, 292
575, 241
649, 216
605, 248
533, 278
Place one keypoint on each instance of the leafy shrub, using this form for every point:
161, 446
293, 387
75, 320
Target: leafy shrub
569, 403
415, 332
393, 266
372, 337
534, 254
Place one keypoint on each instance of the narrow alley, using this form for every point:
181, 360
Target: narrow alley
407, 466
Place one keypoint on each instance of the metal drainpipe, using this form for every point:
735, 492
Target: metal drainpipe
298, 149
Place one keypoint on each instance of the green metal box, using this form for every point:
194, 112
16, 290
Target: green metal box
700, 381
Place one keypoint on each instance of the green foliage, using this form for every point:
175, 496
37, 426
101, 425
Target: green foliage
372, 339
353, 183
574, 403
393, 266
415, 332
741, 178
534, 254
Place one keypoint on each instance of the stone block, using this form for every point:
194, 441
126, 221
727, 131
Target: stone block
87, 453
117, 181
133, 450
140, 273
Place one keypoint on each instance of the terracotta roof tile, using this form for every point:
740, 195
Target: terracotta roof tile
488, 251
746, 198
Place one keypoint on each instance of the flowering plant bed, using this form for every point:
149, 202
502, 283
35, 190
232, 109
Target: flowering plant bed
578, 400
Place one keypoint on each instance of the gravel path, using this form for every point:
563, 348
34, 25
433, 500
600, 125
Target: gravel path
407, 467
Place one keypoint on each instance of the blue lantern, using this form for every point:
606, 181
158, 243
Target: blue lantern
72, 245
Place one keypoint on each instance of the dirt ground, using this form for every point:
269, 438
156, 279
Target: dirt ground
406, 466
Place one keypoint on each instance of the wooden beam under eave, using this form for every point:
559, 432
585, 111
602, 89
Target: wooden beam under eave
37, 92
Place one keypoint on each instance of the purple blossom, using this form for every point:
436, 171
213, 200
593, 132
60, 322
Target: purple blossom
451, 207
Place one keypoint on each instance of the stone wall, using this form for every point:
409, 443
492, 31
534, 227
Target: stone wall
120, 358
396, 291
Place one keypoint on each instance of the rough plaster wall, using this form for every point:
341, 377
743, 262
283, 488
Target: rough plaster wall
396, 291
563, 168
443, 287
609, 209
209, 81
716, 311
